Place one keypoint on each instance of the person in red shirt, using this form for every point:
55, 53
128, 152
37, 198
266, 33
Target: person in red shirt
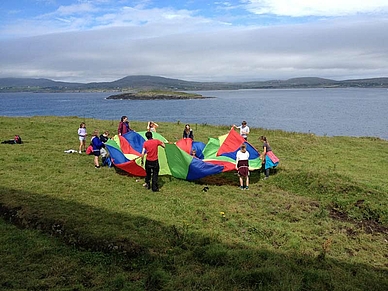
150, 147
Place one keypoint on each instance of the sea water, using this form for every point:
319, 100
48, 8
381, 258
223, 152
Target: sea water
331, 112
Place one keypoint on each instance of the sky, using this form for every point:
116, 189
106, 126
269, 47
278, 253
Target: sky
194, 40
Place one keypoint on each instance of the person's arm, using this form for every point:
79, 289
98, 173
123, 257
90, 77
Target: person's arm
120, 129
142, 156
264, 154
162, 144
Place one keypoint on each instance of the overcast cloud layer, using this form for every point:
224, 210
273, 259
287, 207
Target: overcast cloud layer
105, 40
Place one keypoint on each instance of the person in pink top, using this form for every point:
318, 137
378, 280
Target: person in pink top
123, 125
151, 146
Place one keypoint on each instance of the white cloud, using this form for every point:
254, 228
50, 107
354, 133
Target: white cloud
108, 44
333, 49
76, 9
298, 8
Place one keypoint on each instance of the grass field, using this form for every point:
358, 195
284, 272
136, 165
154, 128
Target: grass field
319, 223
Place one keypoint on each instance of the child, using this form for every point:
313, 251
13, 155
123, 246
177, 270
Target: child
242, 166
244, 129
105, 136
104, 153
123, 125
97, 145
269, 160
151, 126
188, 132
82, 136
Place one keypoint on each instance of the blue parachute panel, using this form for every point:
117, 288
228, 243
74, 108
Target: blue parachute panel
135, 140
117, 155
198, 146
199, 169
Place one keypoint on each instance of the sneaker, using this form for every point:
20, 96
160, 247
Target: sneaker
246, 187
265, 178
241, 187
79, 152
97, 167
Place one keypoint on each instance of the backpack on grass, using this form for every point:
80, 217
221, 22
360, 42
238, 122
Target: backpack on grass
16, 140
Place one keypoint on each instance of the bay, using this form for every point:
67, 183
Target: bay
326, 112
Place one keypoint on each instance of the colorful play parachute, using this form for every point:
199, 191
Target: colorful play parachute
178, 159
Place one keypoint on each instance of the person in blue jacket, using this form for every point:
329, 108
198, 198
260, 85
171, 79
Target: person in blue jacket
97, 146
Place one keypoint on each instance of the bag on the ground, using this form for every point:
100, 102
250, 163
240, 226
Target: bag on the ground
16, 140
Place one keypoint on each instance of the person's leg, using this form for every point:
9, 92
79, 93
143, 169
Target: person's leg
80, 144
147, 180
247, 183
241, 182
155, 177
96, 163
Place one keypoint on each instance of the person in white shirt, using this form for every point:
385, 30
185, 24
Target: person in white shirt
82, 137
242, 166
152, 126
244, 129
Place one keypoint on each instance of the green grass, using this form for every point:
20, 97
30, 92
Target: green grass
319, 223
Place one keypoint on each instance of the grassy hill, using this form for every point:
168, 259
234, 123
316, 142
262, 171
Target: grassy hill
319, 223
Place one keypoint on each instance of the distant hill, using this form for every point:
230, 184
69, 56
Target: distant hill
145, 82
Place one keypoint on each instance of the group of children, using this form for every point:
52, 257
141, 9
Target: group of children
269, 160
97, 144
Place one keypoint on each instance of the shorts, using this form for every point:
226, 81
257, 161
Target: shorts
81, 138
243, 168
97, 153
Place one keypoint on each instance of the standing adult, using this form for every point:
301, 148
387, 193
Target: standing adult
123, 125
150, 146
244, 129
188, 132
269, 160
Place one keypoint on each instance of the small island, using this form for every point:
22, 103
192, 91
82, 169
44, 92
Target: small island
156, 95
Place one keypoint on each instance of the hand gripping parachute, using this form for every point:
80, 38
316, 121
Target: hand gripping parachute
177, 160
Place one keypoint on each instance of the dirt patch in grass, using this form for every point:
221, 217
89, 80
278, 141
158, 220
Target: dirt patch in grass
368, 226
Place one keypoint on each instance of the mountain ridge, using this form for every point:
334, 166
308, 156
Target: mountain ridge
147, 82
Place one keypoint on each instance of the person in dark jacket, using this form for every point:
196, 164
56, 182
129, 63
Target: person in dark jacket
188, 132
